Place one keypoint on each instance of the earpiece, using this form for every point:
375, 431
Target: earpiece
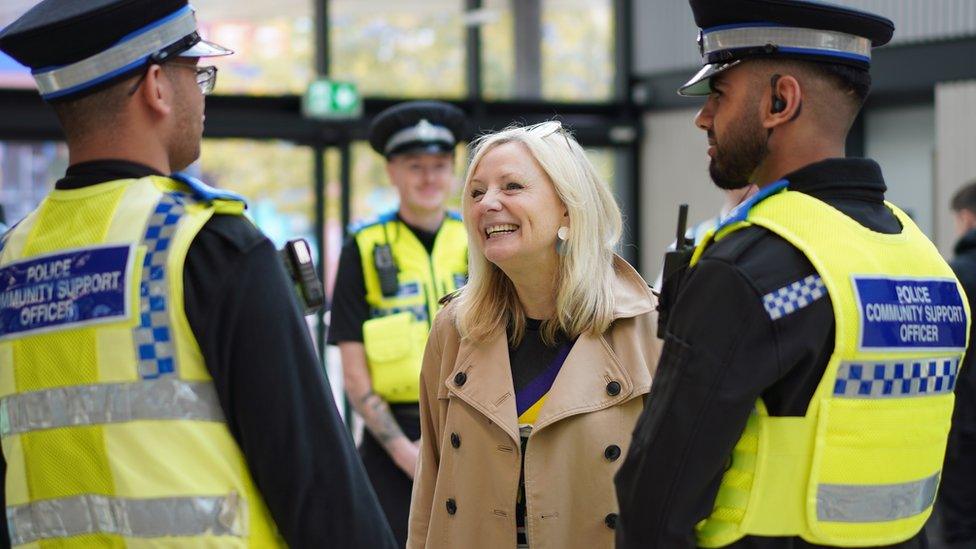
778, 104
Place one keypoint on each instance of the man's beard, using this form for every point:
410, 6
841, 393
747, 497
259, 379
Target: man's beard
738, 156
185, 146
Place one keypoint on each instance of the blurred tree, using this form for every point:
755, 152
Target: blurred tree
273, 45
275, 176
577, 50
399, 49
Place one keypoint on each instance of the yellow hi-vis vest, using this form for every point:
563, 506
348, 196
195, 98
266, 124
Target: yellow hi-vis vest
396, 334
861, 468
110, 424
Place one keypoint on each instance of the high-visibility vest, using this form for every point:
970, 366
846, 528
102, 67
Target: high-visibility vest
110, 424
861, 468
396, 334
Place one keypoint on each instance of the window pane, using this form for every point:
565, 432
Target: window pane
28, 171
273, 43
275, 176
603, 160
395, 48
497, 50
371, 193
335, 233
577, 50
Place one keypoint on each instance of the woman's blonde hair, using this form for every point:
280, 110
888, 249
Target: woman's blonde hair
584, 283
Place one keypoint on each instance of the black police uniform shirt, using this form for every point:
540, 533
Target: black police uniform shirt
957, 490
279, 407
722, 353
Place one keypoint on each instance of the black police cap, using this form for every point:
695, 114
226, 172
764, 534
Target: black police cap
417, 126
77, 46
734, 30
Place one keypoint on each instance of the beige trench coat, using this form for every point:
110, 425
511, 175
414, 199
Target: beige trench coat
467, 477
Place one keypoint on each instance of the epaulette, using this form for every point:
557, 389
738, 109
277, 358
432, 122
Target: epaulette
741, 212
357, 226
203, 192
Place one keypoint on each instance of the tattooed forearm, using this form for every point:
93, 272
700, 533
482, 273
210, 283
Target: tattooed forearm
378, 418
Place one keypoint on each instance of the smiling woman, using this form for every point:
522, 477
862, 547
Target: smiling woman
534, 333
538, 179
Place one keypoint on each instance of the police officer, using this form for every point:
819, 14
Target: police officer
957, 492
159, 383
805, 388
392, 273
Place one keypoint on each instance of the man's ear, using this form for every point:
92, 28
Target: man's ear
157, 91
782, 101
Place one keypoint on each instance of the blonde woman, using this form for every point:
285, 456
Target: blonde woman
536, 371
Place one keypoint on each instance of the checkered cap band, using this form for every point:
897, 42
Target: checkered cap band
908, 378
793, 297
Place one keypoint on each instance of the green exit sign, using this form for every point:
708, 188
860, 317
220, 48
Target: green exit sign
331, 99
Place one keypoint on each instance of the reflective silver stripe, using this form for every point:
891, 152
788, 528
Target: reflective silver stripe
875, 502
424, 132
165, 398
134, 518
785, 37
896, 379
117, 57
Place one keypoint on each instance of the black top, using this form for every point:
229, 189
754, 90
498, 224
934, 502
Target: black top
957, 491
531, 357
349, 306
534, 368
278, 404
723, 352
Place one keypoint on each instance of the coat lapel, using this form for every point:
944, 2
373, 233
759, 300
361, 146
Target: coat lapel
581, 385
488, 385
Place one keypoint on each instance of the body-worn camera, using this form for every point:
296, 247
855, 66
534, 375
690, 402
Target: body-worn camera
387, 270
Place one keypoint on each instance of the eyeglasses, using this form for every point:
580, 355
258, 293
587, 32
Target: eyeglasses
206, 77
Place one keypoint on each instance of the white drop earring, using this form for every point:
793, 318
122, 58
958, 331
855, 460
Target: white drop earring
562, 240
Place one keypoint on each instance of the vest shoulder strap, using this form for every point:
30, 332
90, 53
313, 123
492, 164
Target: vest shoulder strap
223, 201
740, 213
359, 226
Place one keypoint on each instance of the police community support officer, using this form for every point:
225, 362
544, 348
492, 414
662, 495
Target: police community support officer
805, 388
392, 272
158, 381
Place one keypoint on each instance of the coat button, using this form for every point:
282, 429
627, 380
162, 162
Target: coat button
451, 507
613, 388
455, 440
611, 521
612, 452
460, 378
